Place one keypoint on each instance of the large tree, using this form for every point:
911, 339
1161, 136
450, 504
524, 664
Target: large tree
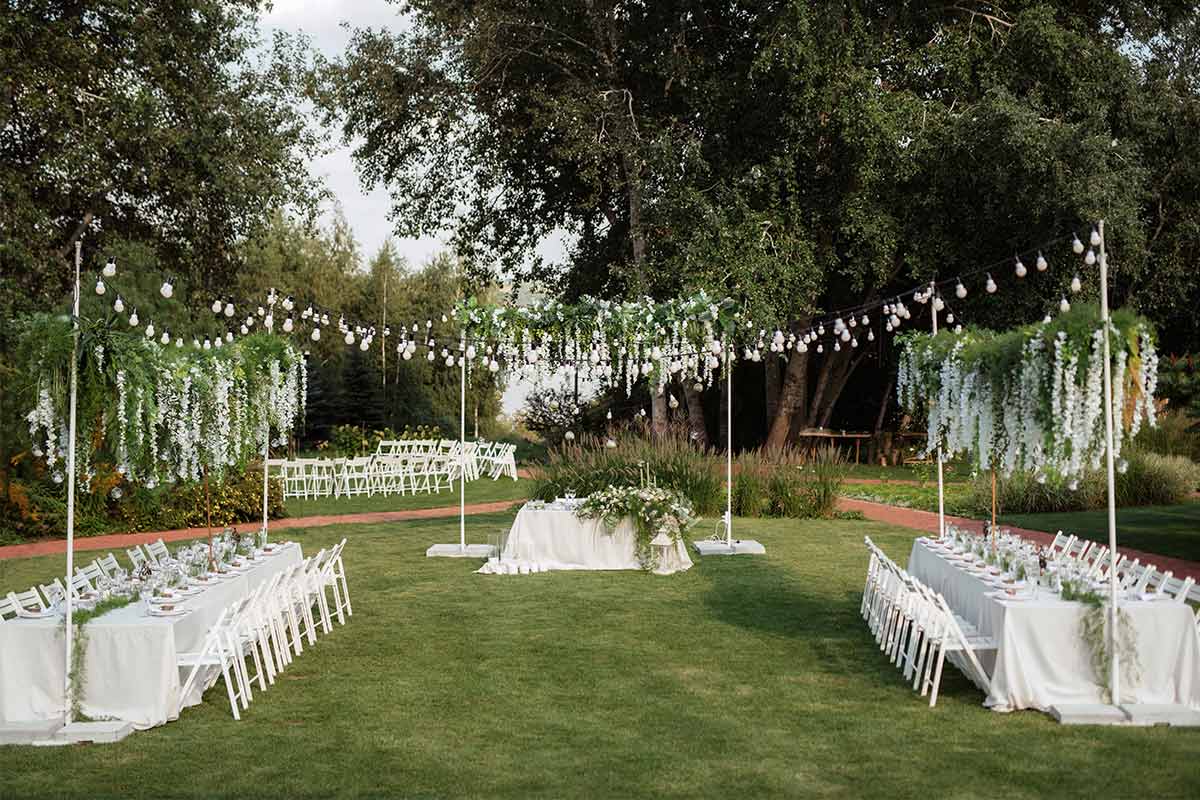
801, 156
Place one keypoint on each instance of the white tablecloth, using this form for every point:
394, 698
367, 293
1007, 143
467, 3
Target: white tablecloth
130, 668
1042, 660
546, 539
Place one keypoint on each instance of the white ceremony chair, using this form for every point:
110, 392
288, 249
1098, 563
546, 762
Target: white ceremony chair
1180, 589
950, 638
290, 616
158, 551
109, 565
215, 652
242, 636
80, 585
53, 591
1163, 580
8, 608
28, 599
270, 617
137, 557
1143, 580
91, 571
333, 575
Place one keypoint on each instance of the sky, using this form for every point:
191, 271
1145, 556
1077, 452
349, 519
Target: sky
367, 210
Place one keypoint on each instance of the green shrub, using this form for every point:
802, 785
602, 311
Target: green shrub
749, 493
1176, 434
1156, 480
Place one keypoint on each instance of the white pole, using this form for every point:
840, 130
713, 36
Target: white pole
729, 445
71, 476
1115, 673
266, 458
462, 446
941, 481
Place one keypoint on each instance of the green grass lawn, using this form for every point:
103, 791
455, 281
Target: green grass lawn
484, 490
744, 677
1167, 530
920, 473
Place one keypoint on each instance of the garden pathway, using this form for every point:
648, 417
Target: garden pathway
118, 541
928, 521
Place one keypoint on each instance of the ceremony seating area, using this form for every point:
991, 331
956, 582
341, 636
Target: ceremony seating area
397, 467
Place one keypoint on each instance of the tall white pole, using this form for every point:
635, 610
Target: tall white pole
70, 638
729, 445
1115, 672
462, 446
941, 481
266, 458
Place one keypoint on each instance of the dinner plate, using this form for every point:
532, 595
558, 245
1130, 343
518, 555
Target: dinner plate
28, 613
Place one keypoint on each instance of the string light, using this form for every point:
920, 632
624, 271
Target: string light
133, 319
167, 290
1095, 239
960, 291
991, 284
100, 286
1041, 262
1064, 306
1076, 284
1076, 245
1020, 268
110, 268
1090, 258
119, 305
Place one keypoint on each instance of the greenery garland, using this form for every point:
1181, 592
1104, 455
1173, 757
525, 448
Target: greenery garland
1031, 398
156, 412
76, 679
653, 510
1093, 628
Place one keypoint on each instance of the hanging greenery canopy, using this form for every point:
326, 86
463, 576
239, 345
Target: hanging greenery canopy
158, 413
1031, 398
681, 338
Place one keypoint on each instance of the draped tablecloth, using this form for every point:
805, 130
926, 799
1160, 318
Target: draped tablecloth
1042, 660
546, 539
130, 670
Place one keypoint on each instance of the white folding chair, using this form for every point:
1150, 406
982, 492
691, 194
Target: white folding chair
8, 608
53, 591
333, 575
80, 585
1182, 589
92, 571
28, 599
158, 551
137, 557
108, 564
951, 639
215, 652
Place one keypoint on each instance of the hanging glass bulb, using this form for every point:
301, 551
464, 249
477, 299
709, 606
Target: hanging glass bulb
1090, 258
1076, 245
166, 290
288, 303
349, 337
133, 319
1076, 284
802, 348
100, 289
166, 337
1020, 269
853, 322
229, 336
315, 335
820, 330
820, 348
364, 345
938, 303
217, 306
245, 330
178, 342
1095, 238
845, 336
870, 336
672, 402
494, 366
217, 343
207, 343
110, 268
471, 352
991, 284
269, 322
611, 444
119, 305
837, 347
960, 291
262, 312
950, 318
288, 325
1041, 262
1064, 306
196, 343
150, 330
431, 356
228, 309
854, 342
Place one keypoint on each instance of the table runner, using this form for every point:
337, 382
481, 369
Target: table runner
130, 669
1042, 660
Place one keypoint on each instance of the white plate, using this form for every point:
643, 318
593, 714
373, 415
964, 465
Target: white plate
27, 613
158, 612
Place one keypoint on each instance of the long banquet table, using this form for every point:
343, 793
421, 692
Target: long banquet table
1041, 659
130, 664
545, 539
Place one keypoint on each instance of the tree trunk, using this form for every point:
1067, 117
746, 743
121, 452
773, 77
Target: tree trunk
883, 406
841, 376
771, 386
658, 413
695, 410
792, 397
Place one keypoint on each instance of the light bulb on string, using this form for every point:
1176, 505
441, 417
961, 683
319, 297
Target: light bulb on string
1020, 269
288, 325
110, 268
133, 319
870, 336
938, 303
245, 330
288, 303
269, 322
853, 322
119, 305
196, 344
494, 366
166, 337
1090, 258
1076, 284
1064, 306
845, 337
228, 309
854, 342
820, 348
315, 335
364, 345
178, 342
1041, 262
100, 289
1076, 245
960, 291
217, 306
166, 290
349, 337
262, 312
431, 356
149, 330
217, 343
208, 343
229, 336
991, 284
950, 318
837, 347
1095, 238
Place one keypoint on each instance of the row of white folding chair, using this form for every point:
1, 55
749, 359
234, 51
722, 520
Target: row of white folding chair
353, 477
270, 626
916, 628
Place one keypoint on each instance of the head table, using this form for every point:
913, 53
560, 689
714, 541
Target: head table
1042, 660
130, 667
548, 538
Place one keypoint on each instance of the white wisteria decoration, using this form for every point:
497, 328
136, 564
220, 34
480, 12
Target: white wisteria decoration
159, 413
1031, 399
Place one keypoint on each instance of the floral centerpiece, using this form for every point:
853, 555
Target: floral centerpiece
653, 510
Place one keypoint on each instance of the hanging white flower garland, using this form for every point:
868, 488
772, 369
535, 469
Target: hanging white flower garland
1031, 399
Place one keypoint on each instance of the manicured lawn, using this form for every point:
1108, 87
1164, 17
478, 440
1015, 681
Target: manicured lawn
957, 496
1167, 530
745, 677
484, 490
919, 473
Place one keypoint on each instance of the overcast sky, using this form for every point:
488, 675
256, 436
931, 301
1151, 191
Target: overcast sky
322, 21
